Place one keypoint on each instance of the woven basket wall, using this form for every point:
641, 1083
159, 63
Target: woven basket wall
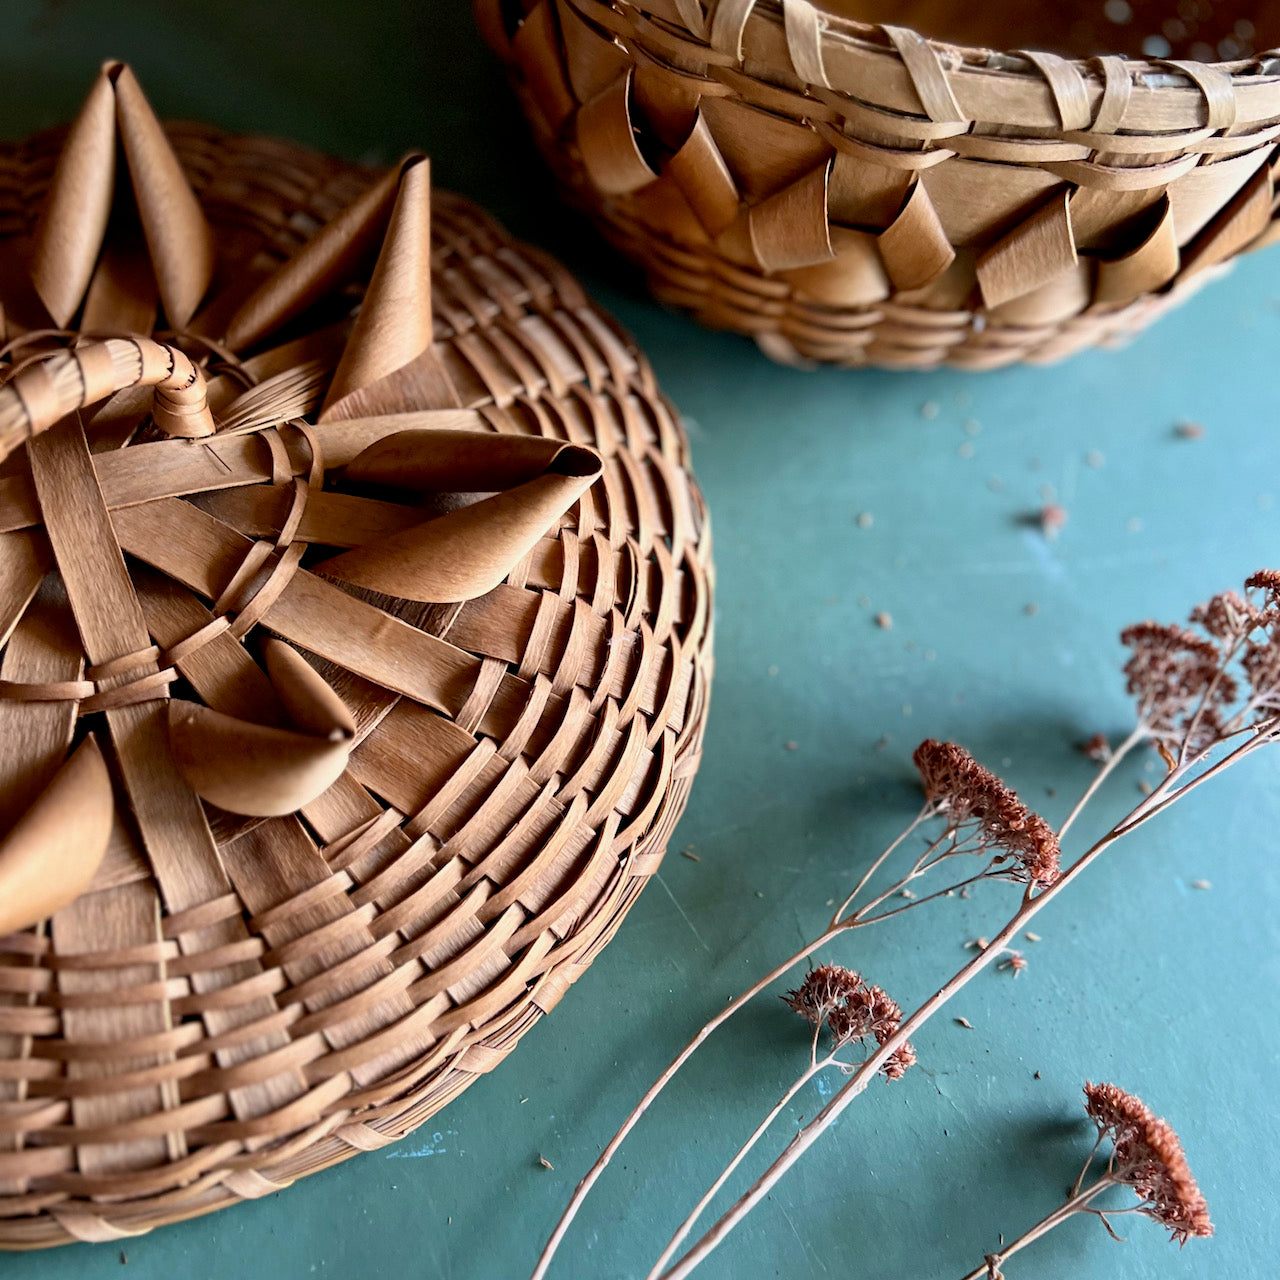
474, 792
855, 193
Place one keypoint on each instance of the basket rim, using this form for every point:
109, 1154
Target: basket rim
891, 69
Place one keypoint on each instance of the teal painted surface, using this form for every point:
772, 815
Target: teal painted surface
1140, 978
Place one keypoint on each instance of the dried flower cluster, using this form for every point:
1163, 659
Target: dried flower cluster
1178, 679
1189, 696
853, 1010
975, 801
1148, 1157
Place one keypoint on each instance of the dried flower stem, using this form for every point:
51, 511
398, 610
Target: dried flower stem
840, 923
1146, 1156
1032, 903
992, 1263
816, 1065
1185, 683
602, 1161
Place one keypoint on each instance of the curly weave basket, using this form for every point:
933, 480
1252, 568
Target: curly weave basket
261, 911
848, 191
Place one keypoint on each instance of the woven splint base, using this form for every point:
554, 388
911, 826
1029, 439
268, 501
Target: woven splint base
240, 1002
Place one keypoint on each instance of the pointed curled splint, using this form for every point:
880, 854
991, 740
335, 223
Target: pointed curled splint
51, 855
44, 393
73, 224
467, 552
394, 324
258, 770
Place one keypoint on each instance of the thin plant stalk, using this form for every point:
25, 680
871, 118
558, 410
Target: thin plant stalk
602, 1161
816, 1065
1077, 1204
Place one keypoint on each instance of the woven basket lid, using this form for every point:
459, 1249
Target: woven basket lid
355, 611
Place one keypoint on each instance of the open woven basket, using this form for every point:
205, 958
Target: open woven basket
355, 612
846, 190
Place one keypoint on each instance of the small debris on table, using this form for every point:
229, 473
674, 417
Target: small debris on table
978, 944
884, 621
1052, 518
1189, 431
1031, 937
689, 853
791, 746
545, 1163
865, 520
965, 1023
929, 409
906, 893
1096, 748
1144, 786
1031, 609
1095, 459
1201, 884
1015, 963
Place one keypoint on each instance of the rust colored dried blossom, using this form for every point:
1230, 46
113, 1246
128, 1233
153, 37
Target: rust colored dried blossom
1227, 616
1179, 683
1260, 658
969, 795
1268, 582
852, 1010
1149, 1158
1185, 683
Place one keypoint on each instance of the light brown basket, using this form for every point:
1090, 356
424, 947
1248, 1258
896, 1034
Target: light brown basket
297, 903
852, 192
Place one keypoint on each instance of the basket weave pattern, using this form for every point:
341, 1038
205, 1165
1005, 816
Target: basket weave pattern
236, 1002
858, 194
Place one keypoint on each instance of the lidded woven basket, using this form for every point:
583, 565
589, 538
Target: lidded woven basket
354, 603
847, 190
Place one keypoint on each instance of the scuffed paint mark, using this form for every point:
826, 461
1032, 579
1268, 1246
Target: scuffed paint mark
434, 1146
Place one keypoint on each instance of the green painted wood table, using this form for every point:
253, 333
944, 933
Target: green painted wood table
836, 496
